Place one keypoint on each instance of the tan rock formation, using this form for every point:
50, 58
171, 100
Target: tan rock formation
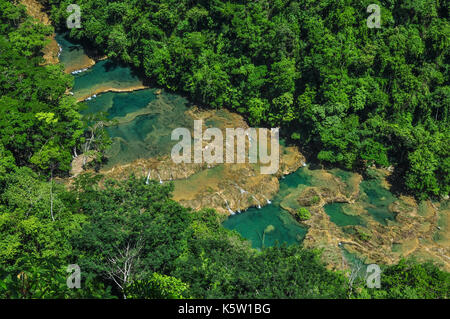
411, 235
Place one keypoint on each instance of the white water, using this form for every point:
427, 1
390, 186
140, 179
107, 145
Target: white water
268, 201
79, 71
229, 209
259, 203
148, 177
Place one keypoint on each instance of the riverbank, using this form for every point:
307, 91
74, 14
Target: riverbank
218, 186
106, 89
419, 230
231, 189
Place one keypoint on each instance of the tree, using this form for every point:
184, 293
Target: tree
303, 213
409, 280
158, 287
29, 38
421, 174
96, 140
127, 237
121, 267
349, 95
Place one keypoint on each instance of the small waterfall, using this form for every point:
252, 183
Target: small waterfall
79, 71
243, 191
160, 180
228, 207
148, 177
259, 203
91, 97
268, 200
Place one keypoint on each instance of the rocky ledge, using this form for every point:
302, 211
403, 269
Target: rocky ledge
228, 188
414, 233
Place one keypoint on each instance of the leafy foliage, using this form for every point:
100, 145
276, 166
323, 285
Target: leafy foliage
354, 96
303, 213
349, 95
410, 280
158, 287
39, 124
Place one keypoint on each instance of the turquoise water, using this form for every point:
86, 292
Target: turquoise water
105, 74
376, 200
72, 54
252, 223
144, 120
144, 125
130, 102
119, 105
295, 179
340, 218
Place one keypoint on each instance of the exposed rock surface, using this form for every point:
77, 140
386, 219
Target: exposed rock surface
229, 188
225, 187
110, 89
412, 234
420, 230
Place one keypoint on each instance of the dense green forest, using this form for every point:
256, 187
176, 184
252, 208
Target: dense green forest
348, 95
176, 252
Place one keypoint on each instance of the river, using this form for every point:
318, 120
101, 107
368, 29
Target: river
145, 118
